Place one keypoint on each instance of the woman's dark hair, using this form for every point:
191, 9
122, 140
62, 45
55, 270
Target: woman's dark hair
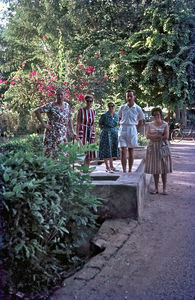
88, 97
131, 91
60, 90
156, 109
111, 103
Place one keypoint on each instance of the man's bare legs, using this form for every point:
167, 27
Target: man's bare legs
131, 157
123, 151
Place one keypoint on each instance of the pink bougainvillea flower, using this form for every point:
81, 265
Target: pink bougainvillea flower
81, 97
49, 88
56, 77
12, 82
65, 82
42, 54
50, 93
122, 52
97, 54
52, 74
81, 67
84, 82
41, 88
90, 69
32, 74
23, 63
106, 77
1, 81
74, 86
44, 37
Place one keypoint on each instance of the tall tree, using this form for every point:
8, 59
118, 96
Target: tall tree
161, 54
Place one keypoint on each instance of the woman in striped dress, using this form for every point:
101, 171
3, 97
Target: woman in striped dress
85, 126
158, 132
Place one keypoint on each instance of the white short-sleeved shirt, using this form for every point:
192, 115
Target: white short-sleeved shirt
130, 115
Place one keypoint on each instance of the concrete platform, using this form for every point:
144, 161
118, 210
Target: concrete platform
122, 193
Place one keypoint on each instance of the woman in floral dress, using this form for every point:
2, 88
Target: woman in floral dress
59, 118
85, 126
108, 148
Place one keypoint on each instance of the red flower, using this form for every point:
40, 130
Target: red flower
80, 97
23, 63
81, 67
97, 54
49, 88
32, 74
41, 88
122, 52
90, 69
12, 82
65, 82
84, 82
44, 37
52, 74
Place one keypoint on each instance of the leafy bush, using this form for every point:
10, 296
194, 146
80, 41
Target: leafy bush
30, 143
47, 208
9, 122
142, 140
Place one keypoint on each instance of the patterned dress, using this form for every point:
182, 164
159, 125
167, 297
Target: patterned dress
86, 129
58, 119
108, 147
155, 164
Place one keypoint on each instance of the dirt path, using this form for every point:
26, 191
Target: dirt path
156, 261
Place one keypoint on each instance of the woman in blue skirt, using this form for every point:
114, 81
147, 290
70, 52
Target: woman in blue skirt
108, 148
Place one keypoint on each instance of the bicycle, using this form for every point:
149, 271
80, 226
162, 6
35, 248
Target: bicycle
182, 132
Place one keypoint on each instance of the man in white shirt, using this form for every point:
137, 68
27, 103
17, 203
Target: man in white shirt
131, 119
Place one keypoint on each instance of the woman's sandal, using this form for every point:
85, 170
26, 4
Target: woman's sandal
153, 192
164, 193
109, 171
114, 169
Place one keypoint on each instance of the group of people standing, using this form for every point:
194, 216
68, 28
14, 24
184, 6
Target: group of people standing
130, 118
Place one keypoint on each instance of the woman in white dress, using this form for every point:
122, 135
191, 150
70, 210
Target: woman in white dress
157, 163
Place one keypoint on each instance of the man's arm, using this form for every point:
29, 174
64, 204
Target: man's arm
140, 124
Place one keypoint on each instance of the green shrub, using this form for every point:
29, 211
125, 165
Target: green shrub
31, 143
142, 140
47, 210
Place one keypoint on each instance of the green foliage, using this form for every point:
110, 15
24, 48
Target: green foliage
161, 53
142, 140
47, 210
146, 45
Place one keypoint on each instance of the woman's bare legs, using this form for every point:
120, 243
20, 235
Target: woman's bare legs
156, 182
111, 163
164, 181
106, 163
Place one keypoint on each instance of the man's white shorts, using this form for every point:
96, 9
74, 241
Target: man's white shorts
127, 136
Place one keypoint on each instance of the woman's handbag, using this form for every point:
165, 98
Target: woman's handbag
164, 149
